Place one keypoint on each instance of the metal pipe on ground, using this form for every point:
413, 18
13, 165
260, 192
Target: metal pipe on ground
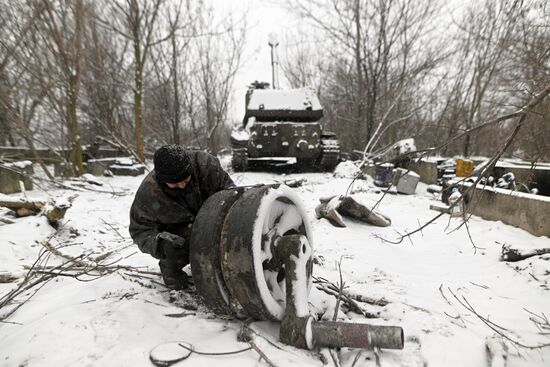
353, 335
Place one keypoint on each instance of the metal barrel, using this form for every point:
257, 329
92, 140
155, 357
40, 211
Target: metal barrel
351, 335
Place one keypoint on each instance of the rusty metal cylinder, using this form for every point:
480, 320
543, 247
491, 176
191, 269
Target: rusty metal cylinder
351, 335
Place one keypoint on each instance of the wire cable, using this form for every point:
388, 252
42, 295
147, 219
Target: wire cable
189, 348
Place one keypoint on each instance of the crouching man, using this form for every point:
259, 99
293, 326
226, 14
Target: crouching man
167, 202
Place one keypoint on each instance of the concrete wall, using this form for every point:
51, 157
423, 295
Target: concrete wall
426, 170
526, 211
10, 177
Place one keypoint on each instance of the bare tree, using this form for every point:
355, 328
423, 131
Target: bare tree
105, 85
62, 29
218, 56
302, 61
139, 22
527, 69
377, 53
20, 93
6, 135
485, 30
171, 62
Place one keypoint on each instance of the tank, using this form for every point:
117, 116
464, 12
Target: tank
283, 123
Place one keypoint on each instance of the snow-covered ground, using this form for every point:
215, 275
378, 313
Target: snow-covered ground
118, 318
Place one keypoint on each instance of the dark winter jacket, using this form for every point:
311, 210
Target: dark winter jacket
157, 208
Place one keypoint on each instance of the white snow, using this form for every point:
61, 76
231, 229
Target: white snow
117, 319
300, 285
289, 216
284, 99
346, 169
125, 162
240, 134
19, 164
405, 146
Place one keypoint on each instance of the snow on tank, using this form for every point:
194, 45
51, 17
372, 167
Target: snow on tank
299, 104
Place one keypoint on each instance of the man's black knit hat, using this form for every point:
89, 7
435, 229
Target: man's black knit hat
172, 164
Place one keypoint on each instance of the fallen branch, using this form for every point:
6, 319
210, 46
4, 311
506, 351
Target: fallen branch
347, 299
511, 254
39, 273
21, 205
54, 209
262, 354
341, 286
335, 357
497, 352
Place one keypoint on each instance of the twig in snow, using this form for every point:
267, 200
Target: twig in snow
496, 328
458, 317
465, 222
340, 290
497, 352
10, 322
113, 228
540, 321
262, 354
356, 359
443, 295
335, 357
246, 332
333, 290
26, 284
420, 227
409, 234
376, 351
479, 285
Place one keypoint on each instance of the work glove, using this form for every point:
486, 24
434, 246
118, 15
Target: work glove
173, 247
173, 239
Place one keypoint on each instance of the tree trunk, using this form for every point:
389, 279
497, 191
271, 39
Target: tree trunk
177, 113
138, 87
73, 92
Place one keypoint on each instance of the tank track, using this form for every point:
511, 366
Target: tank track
239, 162
330, 153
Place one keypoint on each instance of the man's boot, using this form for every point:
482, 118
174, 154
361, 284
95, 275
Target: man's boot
173, 275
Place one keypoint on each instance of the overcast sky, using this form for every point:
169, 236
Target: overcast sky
266, 16
263, 17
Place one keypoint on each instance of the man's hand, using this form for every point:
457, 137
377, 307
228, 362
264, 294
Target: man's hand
174, 240
172, 247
